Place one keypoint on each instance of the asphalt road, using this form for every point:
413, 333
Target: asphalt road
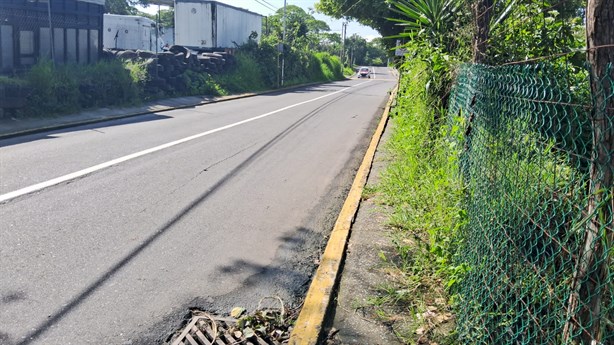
109, 233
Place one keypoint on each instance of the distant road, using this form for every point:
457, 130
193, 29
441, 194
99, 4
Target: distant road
110, 232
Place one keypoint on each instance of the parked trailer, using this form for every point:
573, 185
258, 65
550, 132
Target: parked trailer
203, 25
131, 32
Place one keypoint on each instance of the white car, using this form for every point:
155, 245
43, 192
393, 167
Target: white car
364, 72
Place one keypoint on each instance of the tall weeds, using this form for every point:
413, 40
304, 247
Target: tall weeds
69, 88
422, 186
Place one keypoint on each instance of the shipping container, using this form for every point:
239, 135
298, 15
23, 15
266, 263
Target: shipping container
131, 32
202, 24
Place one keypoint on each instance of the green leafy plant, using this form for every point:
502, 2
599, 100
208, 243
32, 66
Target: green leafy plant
54, 90
110, 83
423, 188
529, 29
432, 18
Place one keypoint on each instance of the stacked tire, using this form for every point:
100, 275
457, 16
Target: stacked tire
165, 69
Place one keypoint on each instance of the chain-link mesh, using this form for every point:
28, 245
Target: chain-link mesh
537, 166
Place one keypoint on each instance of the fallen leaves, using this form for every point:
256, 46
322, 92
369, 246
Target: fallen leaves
267, 323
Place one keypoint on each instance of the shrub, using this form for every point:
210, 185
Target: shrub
201, 84
69, 88
248, 75
110, 83
316, 70
54, 90
330, 66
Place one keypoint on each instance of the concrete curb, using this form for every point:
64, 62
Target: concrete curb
309, 325
148, 111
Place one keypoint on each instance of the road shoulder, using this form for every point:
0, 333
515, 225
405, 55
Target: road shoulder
354, 317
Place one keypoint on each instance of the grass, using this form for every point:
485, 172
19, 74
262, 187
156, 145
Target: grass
247, 76
368, 192
422, 186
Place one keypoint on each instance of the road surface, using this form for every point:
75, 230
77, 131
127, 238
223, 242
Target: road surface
109, 233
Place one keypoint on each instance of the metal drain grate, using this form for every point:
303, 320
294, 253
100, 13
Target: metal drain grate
211, 330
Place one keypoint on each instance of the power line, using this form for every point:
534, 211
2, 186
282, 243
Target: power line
267, 5
348, 10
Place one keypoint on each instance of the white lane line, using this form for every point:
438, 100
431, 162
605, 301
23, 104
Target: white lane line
80, 173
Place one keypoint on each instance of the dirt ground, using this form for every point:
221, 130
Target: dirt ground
362, 314
355, 317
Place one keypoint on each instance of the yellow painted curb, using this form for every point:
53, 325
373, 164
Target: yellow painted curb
310, 321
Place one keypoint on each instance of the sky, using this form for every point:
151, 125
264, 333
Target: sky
268, 7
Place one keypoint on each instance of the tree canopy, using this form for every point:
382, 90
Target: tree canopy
301, 27
124, 7
303, 30
372, 13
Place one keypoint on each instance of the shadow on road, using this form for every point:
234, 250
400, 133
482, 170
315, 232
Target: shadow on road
285, 274
56, 317
21, 139
287, 271
321, 88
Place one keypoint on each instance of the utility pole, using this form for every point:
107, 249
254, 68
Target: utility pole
283, 47
344, 27
51, 35
157, 34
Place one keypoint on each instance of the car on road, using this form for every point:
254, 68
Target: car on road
364, 72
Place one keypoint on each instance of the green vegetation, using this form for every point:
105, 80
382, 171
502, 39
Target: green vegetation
48, 90
489, 198
66, 89
51, 90
308, 56
360, 52
373, 13
305, 34
423, 188
123, 6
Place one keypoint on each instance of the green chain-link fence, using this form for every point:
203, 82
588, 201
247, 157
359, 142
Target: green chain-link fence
538, 242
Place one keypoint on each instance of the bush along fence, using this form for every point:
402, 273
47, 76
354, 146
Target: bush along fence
537, 168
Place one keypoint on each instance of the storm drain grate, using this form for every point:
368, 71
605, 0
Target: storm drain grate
211, 330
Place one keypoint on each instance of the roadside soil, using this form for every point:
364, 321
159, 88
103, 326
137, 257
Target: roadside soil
355, 319
365, 310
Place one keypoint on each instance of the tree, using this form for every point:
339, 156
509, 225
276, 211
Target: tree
123, 7
119, 7
482, 10
372, 13
377, 54
594, 258
330, 42
516, 30
356, 50
167, 17
302, 29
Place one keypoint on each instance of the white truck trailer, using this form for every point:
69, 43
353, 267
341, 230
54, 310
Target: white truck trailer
211, 25
130, 32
